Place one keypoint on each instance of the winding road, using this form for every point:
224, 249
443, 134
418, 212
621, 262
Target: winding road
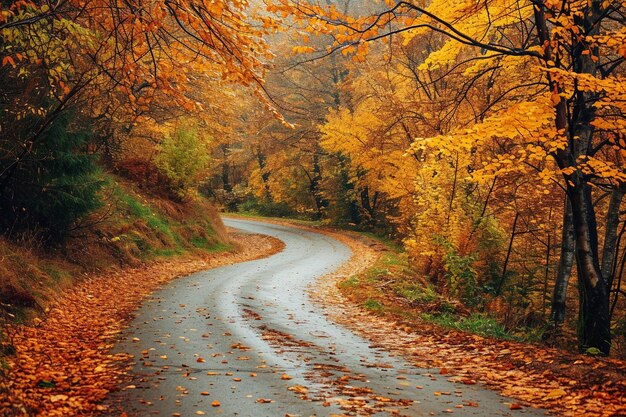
245, 340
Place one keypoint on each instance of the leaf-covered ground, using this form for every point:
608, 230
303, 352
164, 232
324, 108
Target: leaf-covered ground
564, 383
61, 366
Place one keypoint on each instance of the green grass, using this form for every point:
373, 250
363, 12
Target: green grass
169, 241
209, 246
476, 323
255, 215
392, 275
57, 274
353, 281
415, 293
373, 305
140, 211
167, 252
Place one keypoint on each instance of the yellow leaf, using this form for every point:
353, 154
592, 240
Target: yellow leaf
554, 394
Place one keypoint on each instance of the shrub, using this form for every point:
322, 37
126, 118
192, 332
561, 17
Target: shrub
140, 171
182, 158
460, 273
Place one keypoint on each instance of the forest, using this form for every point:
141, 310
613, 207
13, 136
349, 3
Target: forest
486, 138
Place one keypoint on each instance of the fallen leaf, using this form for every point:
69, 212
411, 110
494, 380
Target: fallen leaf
554, 394
263, 400
215, 403
299, 389
59, 397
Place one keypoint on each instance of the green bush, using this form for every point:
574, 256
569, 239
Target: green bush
182, 158
460, 272
54, 186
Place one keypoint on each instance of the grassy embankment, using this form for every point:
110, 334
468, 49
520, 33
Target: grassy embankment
131, 229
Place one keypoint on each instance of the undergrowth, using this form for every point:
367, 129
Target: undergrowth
390, 287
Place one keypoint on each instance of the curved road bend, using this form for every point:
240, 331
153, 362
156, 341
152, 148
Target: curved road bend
248, 337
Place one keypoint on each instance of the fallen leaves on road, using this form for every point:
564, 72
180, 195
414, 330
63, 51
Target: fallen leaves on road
62, 366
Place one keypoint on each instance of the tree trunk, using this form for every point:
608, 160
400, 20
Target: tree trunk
557, 313
575, 117
265, 176
610, 235
594, 329
508, 256
320, 202
366, 204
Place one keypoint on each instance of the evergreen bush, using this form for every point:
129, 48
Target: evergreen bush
54, 186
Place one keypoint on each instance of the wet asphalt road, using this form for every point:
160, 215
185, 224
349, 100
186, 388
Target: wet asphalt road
246, 336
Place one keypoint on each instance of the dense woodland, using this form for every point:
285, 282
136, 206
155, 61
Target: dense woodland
487, 137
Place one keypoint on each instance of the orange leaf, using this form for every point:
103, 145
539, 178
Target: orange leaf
263, 400
554, 394
8, 60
